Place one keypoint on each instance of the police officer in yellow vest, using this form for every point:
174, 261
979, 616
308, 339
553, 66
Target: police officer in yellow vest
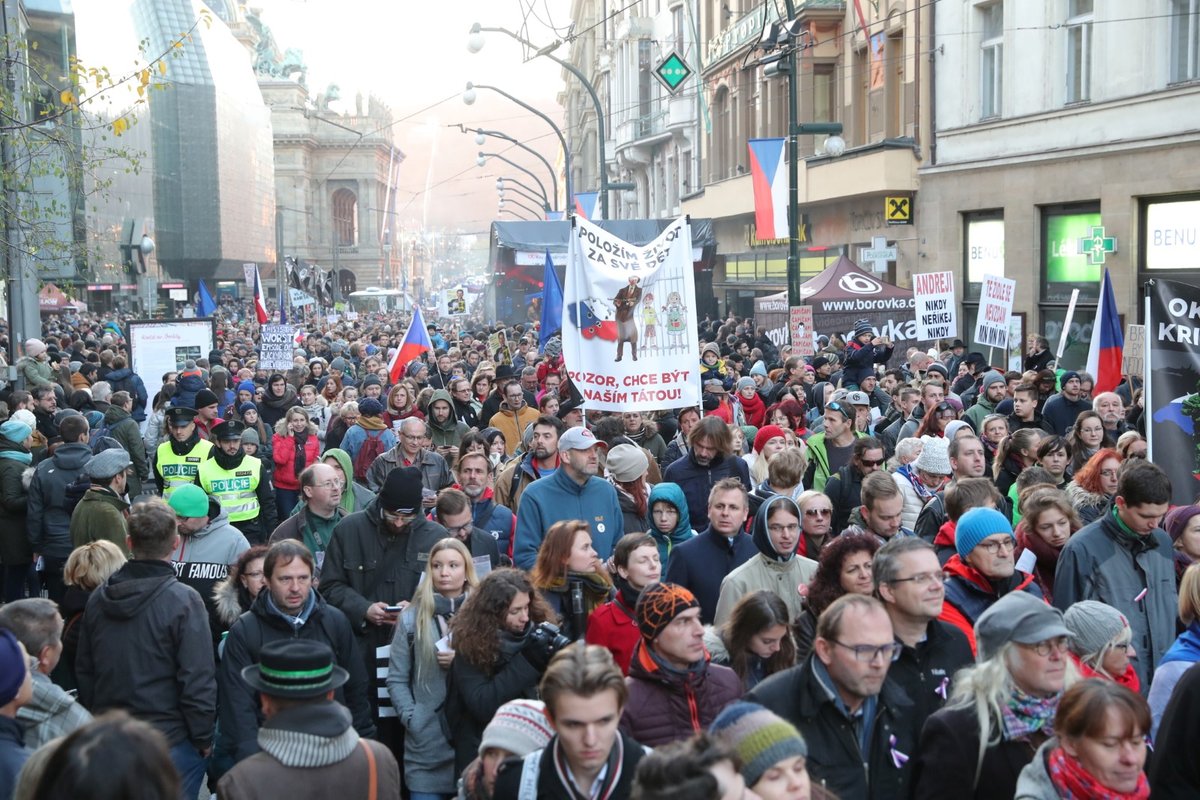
177, 460
237, 482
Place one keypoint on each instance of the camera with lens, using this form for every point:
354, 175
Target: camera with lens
544, 641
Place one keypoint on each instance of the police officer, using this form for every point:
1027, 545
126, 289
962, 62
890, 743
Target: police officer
178, 459
236, 481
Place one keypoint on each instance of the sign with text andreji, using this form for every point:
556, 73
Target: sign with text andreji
629, 319
934, 296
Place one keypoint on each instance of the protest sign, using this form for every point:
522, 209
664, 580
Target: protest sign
936, 315
995, 307
1172, 400
275, 351
629, 319
1133, 361
801, 327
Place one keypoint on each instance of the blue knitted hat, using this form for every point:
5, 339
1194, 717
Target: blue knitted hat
975, 526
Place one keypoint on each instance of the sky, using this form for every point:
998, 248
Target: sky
413, 55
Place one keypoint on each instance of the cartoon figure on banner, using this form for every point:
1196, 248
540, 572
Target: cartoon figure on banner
627, 300
649, 323
676, 313
456, 305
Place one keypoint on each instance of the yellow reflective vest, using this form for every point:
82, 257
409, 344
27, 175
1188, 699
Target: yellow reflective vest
235, 489
175, 470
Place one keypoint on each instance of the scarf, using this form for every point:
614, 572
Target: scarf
225, 461
21, 455
316, 530
910, 474
183, 448
627, 595
1024, 715
371, 423
612, 772
754, 408
1073, 782
1186, 647
298, 464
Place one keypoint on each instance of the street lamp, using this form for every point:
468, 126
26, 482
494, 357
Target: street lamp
520, 205
482, 158
481, 137
516, 188
475, 41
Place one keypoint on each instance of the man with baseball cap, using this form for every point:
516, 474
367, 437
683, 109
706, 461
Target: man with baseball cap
177, 460
674, 689
101, 511
572, 492
236, 481
309, 746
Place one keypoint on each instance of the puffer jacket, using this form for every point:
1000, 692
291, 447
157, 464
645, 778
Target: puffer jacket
768, 571
35, 373
697, 481
668, 706
187, 384
49, 524
283, 453
969, 593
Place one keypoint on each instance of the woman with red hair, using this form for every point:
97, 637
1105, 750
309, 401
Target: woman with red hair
1094, 486
788, 414
569, 576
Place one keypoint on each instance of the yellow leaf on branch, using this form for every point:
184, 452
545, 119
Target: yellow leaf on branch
67, 97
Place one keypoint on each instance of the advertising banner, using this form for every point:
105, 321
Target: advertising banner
276, 347
995, 307
629, 319
801, 318
1173, 386
936, 315
842, 294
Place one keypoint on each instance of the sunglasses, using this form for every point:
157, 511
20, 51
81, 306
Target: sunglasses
818, 512
872, 462
848, 413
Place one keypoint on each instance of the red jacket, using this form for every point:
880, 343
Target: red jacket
613, 626
969, 594
284, 451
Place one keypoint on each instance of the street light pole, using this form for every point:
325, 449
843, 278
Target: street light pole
475, 43
480, 138
482, 159
520, 192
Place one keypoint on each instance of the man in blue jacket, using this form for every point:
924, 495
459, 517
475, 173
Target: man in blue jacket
572, 492
702, 562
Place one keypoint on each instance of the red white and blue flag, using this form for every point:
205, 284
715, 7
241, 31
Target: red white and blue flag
769, 176
260, 299
415, 342
1104, 353
585, 204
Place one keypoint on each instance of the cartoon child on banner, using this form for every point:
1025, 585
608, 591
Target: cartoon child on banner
676, 318
626, 302
649, 323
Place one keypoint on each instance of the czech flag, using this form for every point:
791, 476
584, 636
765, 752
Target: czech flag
260, 300
585, 204
1104, 354
769, 177
416, 341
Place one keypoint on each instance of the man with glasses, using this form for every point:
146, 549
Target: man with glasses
321, 490
830, 450
411, 451
372, 568
453, 512
514, 416
237, 482
858, 724
776, 568
910, 582
982, 570
844, 487
289, 607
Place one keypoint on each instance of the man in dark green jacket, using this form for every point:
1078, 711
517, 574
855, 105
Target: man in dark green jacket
101, 511
124, 428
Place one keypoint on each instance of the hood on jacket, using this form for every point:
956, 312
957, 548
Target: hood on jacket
818, 396
343, 459
72, 456
227, 600
441, 395
134, 586
672, 493
762, 539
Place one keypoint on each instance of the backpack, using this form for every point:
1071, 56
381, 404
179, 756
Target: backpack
372, 448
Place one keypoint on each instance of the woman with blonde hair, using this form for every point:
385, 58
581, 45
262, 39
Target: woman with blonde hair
87, 568
570, 577
294, 447
420, 659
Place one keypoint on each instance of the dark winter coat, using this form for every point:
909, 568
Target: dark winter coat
100, 515
859, 361
124, 428
844, 490
926, 672
239, 711
834, 757
15, 548
946, 763
667, 706
126, 380
969, 593
702, 562
49, 524
697, 481
1174, 769
144, 622
550, 784
13, 754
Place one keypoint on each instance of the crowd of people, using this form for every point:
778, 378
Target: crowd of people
858, 574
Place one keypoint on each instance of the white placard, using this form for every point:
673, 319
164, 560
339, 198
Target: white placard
933, 293
157, 347
995, 307
1027, 562
276, 347
298, 298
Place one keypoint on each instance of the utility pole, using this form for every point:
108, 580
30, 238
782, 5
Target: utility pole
281, 285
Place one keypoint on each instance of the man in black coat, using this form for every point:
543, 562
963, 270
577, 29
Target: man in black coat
857, 723
844, 487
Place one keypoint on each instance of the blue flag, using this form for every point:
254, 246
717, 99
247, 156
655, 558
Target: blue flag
206, 305
552, 303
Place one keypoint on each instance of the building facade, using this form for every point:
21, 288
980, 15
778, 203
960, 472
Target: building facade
1065, 143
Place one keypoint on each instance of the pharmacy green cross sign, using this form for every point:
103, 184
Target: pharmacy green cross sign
1096, 245
672, 71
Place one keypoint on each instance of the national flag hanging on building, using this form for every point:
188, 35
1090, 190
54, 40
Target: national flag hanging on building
552, 303
260, 299
205, 305
585, 204
1108, 341
768, 174
416, 341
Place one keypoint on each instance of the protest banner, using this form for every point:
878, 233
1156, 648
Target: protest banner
1133, 357
1172, 400
801, 327
300, 299
629, 319
937, 317
995, 307
160, 346
275, 347
455, 302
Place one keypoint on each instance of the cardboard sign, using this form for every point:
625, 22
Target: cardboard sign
995, 307
934, 296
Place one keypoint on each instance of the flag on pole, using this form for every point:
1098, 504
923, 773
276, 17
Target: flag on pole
415, 342
1104, 353
552, 303
260, 299
585, 204
768, 175
205, 306
282, 312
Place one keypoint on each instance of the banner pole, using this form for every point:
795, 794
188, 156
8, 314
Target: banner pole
1062, 340
1147, 374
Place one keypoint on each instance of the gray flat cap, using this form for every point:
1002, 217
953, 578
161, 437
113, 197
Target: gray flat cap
107, 463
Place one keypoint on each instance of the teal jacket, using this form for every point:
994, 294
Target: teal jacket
670, 493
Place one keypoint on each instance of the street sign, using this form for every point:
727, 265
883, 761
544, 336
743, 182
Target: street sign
672, 71
897, 210
877, 255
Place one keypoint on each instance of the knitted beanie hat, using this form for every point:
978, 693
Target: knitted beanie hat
990, 378
935, 455
765, 434
976, 525
745, 383
519, 727
658, 605
1177, 520
1093, 626
759, 737
862, 326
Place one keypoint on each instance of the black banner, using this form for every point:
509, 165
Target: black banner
1173, 403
